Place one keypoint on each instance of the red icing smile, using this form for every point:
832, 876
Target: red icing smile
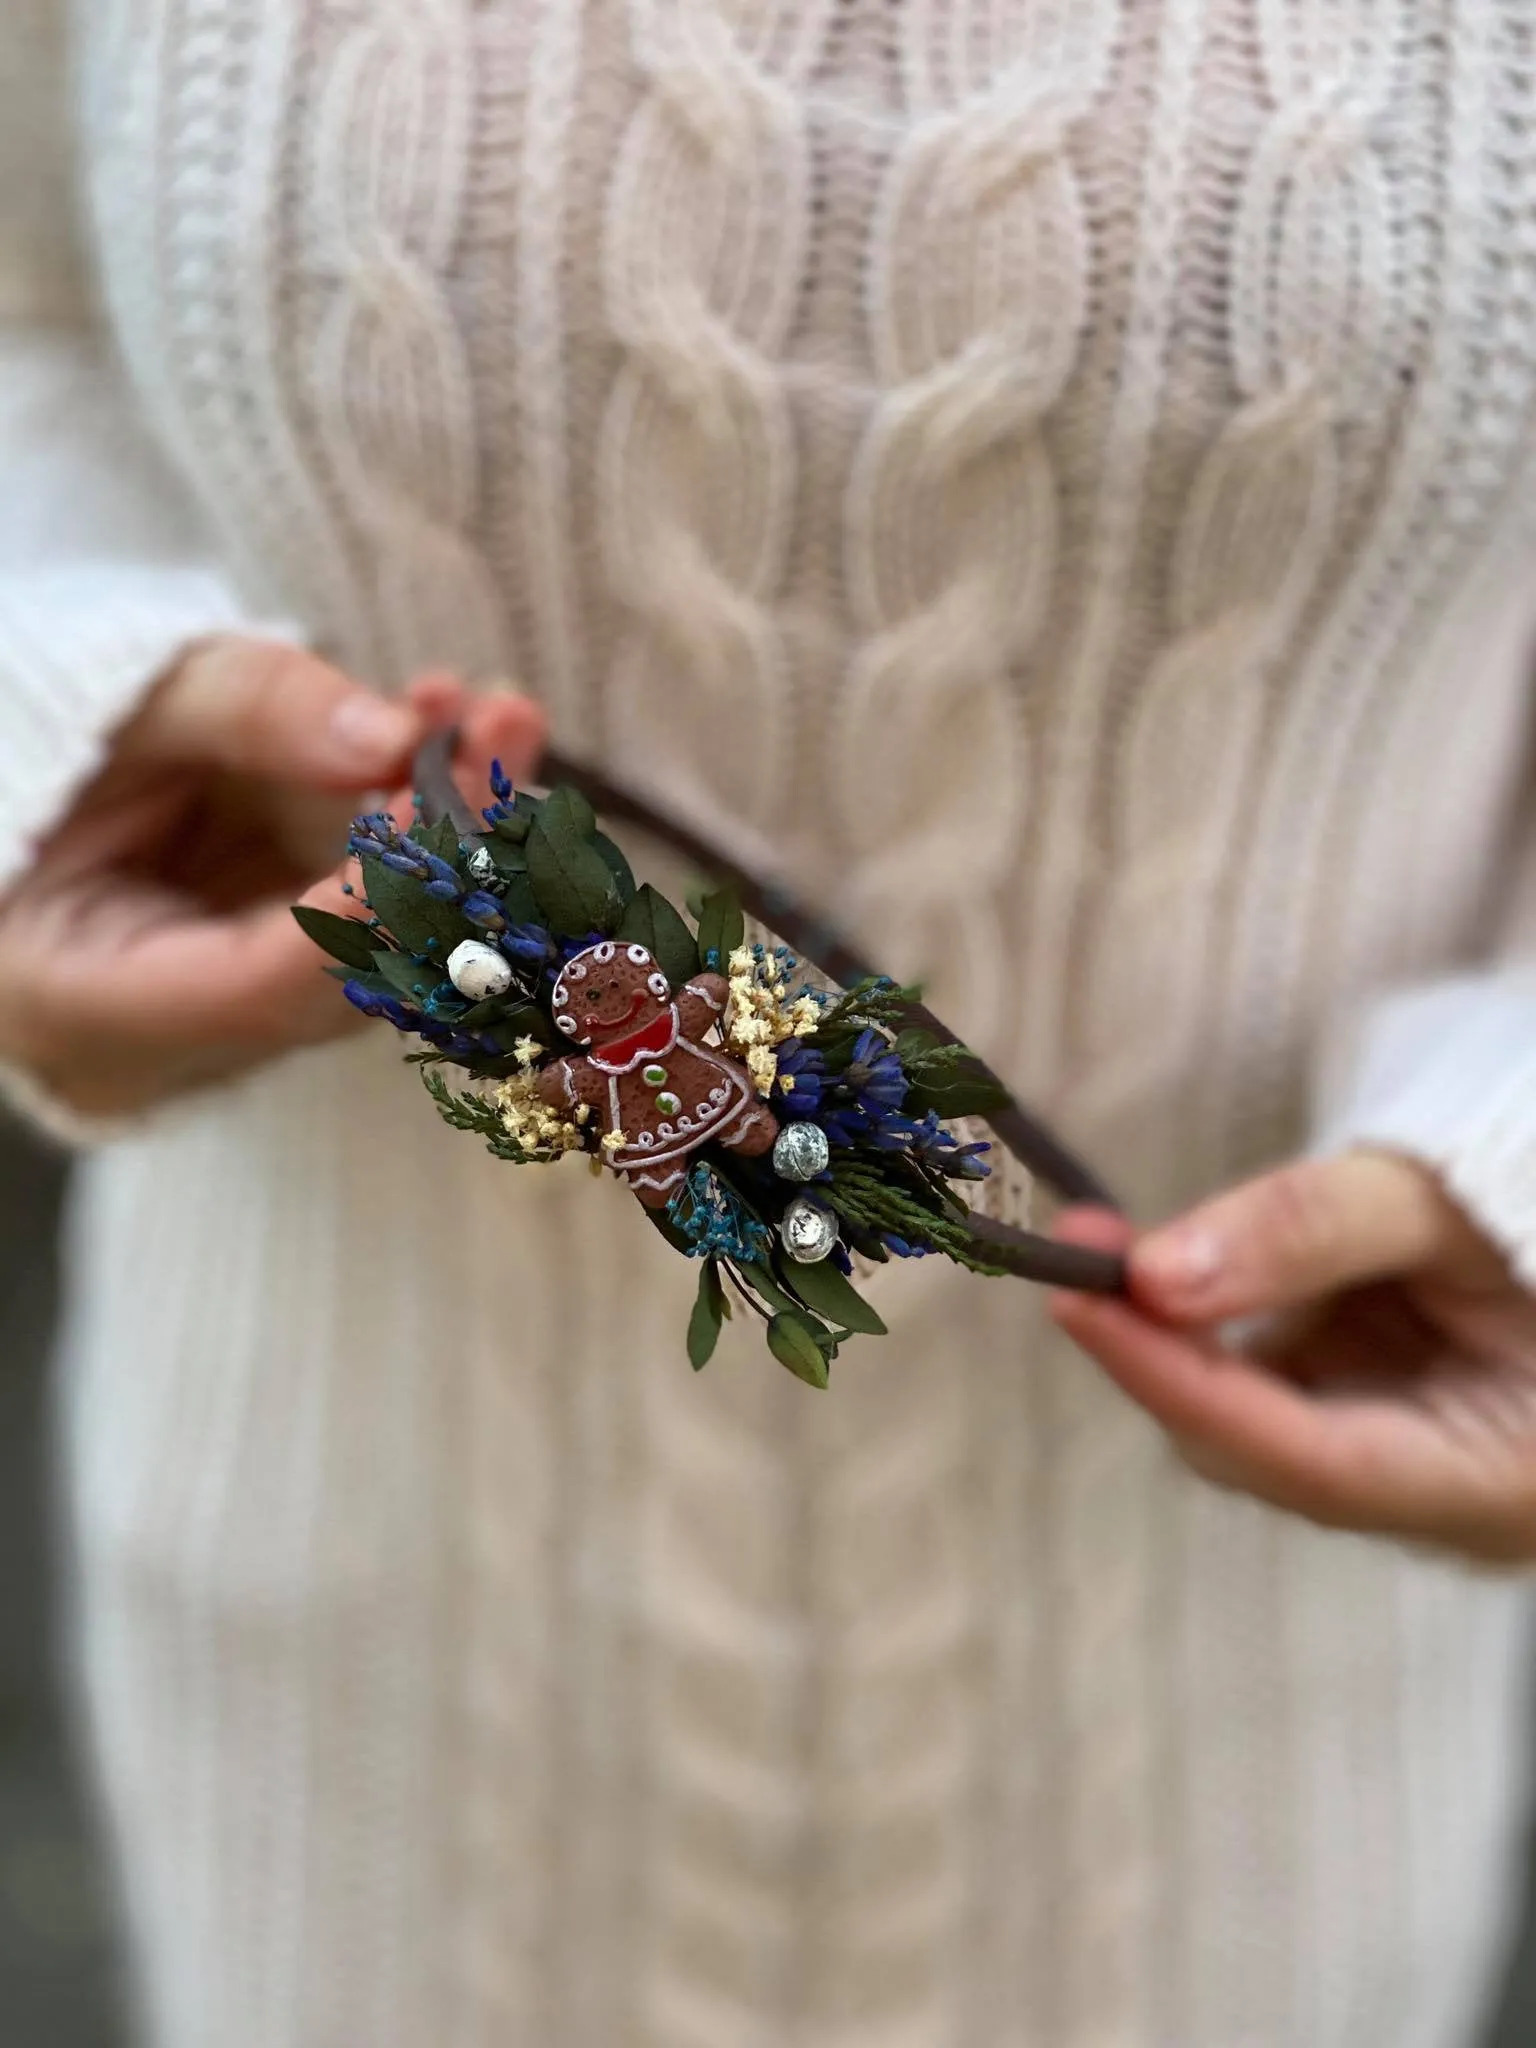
637, 1003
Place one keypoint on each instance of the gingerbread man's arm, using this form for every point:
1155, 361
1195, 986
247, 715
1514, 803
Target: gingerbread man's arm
700, 1003
567, 1082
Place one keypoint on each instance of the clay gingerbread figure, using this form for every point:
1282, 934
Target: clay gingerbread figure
646, 1070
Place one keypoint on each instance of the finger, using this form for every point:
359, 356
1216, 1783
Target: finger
498, 725
438, 695
262, 708
1304, 1231
1251, 1430
1099, 1230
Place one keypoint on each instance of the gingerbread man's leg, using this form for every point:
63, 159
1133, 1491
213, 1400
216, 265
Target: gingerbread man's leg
655, 1185
753, 1132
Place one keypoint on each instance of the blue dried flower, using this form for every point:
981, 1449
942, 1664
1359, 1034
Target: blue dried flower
715, 1221
875, 1076
804, 1065
482, 908
528, 944
939, 1148
501, 789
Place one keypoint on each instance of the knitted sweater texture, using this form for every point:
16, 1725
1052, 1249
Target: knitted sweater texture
1060, 472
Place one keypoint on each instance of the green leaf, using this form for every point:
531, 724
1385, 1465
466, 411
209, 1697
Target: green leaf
575, 889
441, 839
767, 1289
792, 1341
519, 905
914, 1045
512, 830
409, 914
507, 860
966, 1094
825, 1290
346, 939
722, 928
618, 866
708, 1313
406, 975
567, 810
652, 922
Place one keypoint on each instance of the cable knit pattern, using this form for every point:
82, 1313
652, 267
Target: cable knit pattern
704, 253
1063, 475
975, 294
1316, 320
385, 181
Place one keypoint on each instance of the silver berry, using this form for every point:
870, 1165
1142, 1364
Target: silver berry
801, 1151
808, 1231
481, 866
478, 970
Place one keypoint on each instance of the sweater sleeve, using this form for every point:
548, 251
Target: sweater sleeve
104, 572
1446, 1073
106, 569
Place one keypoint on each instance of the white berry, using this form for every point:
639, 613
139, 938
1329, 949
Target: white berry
478, 970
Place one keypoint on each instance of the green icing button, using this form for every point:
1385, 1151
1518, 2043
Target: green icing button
653, 1075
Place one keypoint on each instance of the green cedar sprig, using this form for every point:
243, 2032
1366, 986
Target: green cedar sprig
472, 1113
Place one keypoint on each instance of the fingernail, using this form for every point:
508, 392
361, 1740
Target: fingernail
1186, 1260
367, 733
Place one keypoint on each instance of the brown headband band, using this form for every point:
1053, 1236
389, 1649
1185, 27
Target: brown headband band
1024, 1253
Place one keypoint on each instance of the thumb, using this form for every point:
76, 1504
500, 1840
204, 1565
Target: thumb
1297, 1234
259, 707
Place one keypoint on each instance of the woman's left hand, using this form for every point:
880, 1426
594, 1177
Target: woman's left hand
1385, 1380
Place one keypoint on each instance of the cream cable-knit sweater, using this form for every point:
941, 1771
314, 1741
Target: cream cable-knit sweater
1062, 469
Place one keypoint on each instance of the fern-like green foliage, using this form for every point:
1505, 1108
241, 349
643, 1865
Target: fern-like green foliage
473, 1113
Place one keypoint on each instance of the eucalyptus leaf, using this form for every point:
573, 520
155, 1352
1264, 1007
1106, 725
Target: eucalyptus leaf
767, 1288
651, 921
708, 1314
507, 860
441, 839
571, 881
914, 1044
966, 1094
722, 928
793, 1343
406, 976
618, 866
346, 939
519, 905
567, 810
829, 1293
409, 914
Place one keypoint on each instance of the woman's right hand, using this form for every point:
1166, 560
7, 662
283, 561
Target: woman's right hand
149, 948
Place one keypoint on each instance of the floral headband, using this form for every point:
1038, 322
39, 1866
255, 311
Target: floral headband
774, 1123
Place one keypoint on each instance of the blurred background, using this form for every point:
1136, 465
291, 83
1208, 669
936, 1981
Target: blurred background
59, 1977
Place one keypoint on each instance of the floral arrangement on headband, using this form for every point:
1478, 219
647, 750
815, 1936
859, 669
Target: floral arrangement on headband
771, 1127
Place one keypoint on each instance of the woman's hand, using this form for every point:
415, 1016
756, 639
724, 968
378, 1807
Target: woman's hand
1389, 1381
149, 949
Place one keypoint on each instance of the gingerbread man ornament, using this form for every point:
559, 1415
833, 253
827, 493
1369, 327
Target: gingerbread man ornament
646, 1070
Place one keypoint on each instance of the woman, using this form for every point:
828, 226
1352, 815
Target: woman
1059, 473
